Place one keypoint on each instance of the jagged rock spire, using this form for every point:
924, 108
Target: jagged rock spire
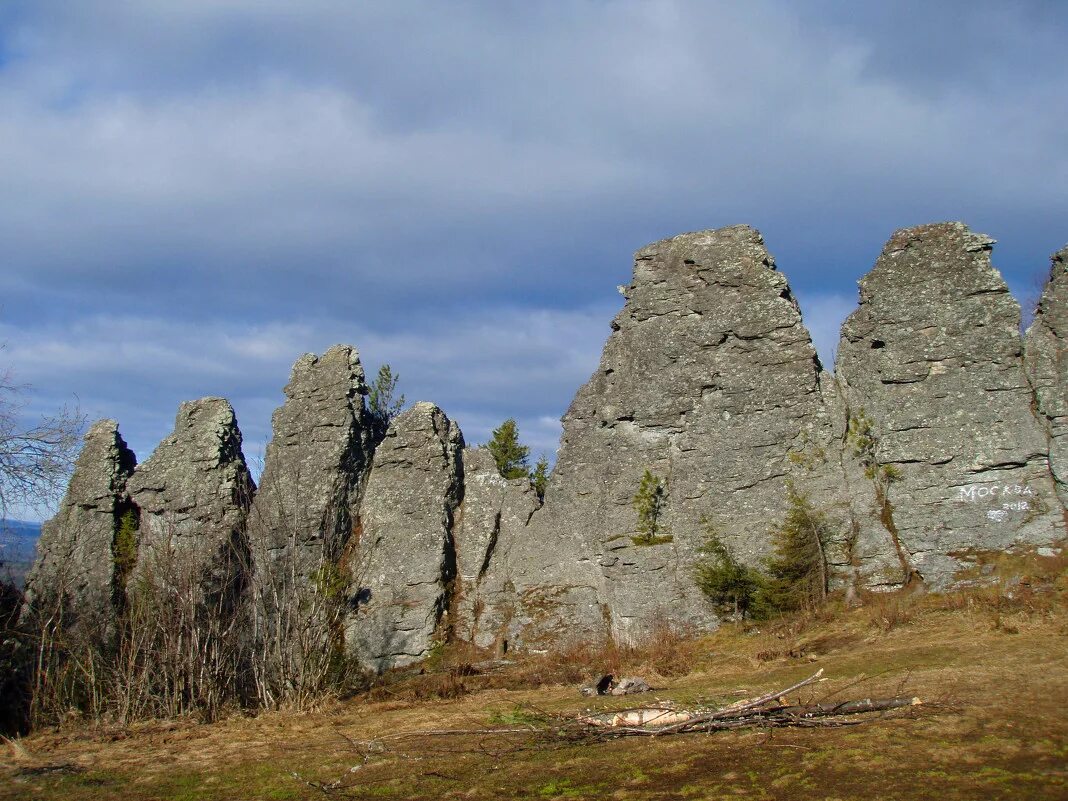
932, 361
193, 494
75, 573
304, 516
403, 569
315, 463
709, 380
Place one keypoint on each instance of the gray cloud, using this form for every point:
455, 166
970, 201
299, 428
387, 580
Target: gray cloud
194, 193
481, 369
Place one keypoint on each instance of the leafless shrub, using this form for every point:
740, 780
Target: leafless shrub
297, 607
174, 651
35, 462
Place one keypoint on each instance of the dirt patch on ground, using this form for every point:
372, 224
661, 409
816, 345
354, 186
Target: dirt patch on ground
991, 667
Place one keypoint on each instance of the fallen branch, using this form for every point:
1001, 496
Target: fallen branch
739, 706
769, 709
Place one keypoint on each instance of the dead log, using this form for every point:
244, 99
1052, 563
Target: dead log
735, 710
770, 709
847, 707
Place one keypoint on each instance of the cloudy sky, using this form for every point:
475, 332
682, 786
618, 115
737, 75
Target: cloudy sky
193, 193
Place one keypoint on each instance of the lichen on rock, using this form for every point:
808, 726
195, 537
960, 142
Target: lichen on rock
402, 569
934, 359
75, 574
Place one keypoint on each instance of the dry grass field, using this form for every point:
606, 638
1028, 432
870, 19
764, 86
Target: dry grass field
991, 666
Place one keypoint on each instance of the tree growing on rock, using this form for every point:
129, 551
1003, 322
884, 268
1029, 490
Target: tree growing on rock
648, 502
510, 456
797, 570
382, 406
729, 584
539, 477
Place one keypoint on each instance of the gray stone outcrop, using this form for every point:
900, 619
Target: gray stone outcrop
404, 563
313, 477
939, 437
75, 568
193, 494
709, 380
494, 514
931, 362
1047, 364
303, 518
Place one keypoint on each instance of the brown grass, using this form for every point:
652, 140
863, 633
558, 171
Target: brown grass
991, 665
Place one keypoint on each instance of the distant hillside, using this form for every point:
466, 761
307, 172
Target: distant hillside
18, 546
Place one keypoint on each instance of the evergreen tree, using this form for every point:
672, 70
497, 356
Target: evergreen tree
797, 571
728, 583
380, 401
539, 477
511, 457
648, 502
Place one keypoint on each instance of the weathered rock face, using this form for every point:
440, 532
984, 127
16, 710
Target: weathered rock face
710, 381
403, 568
193, 494
1047, 363
313, 475
75, 564
494, 513
303, 517
932, 360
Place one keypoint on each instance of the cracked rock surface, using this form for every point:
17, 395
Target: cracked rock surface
193, 494
1047, 363
403, 567
493, 516
75, 563
933, 357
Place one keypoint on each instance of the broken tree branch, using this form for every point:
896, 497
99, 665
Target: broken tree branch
739, 707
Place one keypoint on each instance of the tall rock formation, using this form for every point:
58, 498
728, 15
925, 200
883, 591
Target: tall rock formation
75, 568
1047, 363
932, 372
494, 513
937, 439
402, 570
193, 494
305, 510
709, 381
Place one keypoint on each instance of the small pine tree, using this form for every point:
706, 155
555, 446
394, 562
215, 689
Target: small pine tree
511, 457
648, 502
539, 476
382, 406
797, 571
728, 583
124, 548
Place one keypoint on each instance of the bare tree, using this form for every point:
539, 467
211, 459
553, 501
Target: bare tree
35, 462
